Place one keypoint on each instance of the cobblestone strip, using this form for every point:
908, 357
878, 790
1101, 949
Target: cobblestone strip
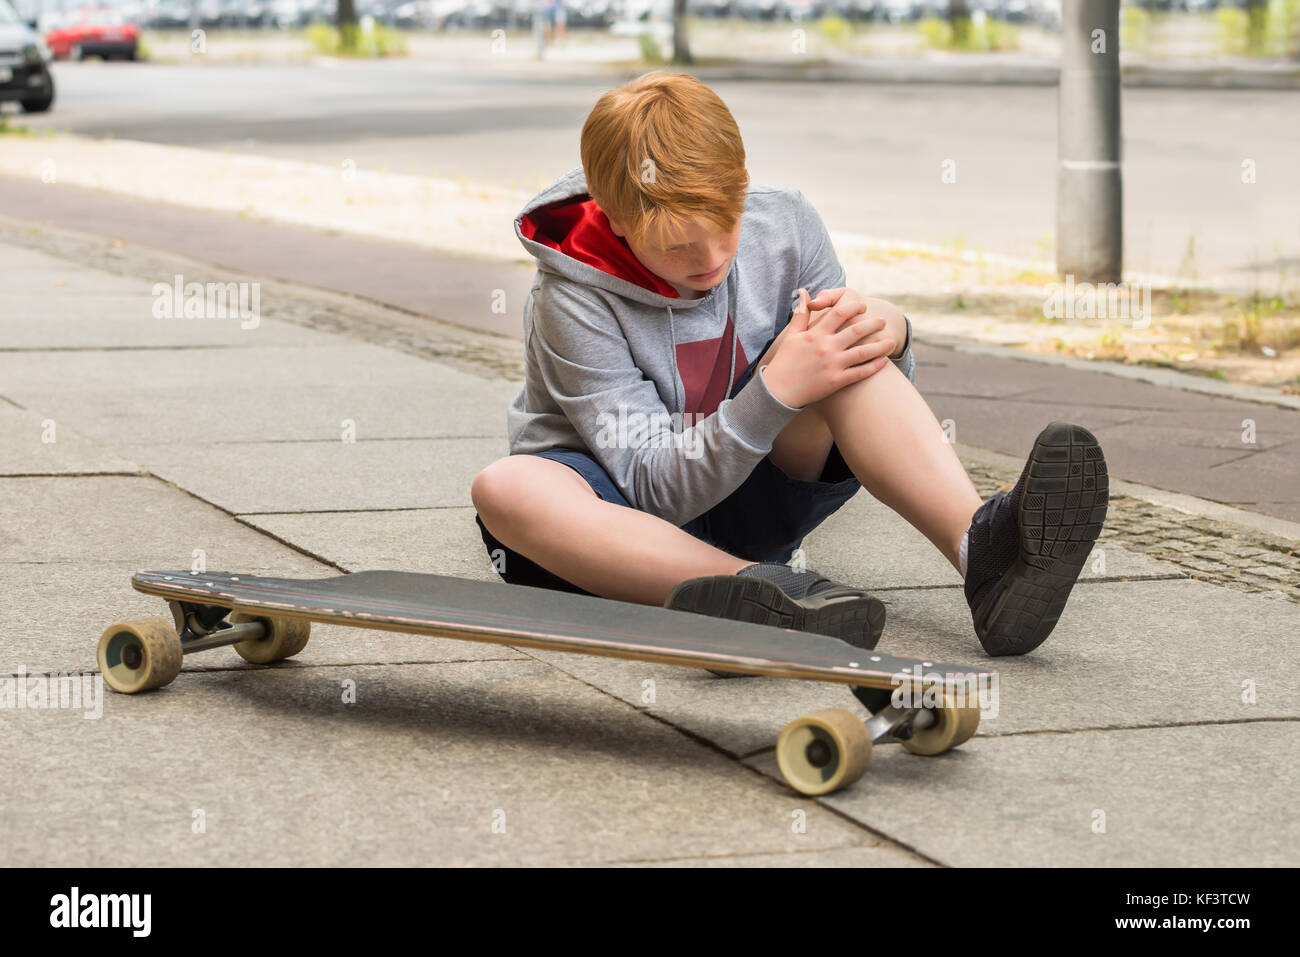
1206, 549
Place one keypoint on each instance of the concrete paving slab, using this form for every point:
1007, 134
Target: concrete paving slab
256, 394
868, 544
416, 772
327, 475
62, 305
34, 444
36, 334
66, 585
123, 519
444, 405
440, 541
1113, 662
149, 373
1109, 663
1212, 795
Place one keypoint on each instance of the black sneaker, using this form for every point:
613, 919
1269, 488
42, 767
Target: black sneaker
771, 594
1025, 548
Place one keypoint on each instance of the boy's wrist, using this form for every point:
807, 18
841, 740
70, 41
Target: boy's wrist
774, 387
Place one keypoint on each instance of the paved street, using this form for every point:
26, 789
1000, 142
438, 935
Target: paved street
868, 155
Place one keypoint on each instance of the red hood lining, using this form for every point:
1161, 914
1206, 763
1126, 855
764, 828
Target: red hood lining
580, 229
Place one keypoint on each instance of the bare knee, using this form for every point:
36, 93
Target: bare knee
511, 488
494, 487
887, 377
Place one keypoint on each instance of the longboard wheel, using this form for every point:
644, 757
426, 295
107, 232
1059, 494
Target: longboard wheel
823, 752
970, 722
285, 637
140, 654
952, 726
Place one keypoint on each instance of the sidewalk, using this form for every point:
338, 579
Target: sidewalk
1130, 737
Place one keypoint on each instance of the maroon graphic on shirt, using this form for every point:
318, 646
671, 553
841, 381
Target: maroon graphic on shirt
704, 365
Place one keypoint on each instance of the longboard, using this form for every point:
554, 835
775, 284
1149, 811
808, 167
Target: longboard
926, 706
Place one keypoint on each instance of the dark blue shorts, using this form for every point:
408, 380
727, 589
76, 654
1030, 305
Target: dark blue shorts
764, 520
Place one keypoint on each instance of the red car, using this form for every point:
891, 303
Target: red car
101, 33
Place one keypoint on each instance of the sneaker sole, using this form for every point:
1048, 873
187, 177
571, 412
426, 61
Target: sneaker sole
857, 621
1062, 510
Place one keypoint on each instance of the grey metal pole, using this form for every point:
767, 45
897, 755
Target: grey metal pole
1089, 180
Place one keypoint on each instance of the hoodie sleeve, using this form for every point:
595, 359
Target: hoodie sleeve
587, 367
819, 269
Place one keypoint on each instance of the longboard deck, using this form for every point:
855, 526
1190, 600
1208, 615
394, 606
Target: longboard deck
519, 615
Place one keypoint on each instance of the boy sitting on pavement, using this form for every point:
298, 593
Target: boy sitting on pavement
680, 430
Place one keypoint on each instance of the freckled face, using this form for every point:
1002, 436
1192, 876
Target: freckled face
694, 263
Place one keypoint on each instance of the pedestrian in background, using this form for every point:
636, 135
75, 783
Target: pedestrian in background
555, 19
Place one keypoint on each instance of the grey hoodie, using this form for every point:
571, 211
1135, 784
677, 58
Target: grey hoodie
606, 340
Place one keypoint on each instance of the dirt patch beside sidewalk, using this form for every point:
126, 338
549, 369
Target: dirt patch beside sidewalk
1247, 337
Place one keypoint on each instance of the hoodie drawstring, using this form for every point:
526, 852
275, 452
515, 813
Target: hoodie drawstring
672, 348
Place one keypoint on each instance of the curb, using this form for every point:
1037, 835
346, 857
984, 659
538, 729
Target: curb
1041, 72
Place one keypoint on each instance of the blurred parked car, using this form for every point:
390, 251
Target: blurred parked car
898, 11
288, 13
98, 32
758, 9
24, 64
169, 15
242, 13
713, 8
857, 10
802, 9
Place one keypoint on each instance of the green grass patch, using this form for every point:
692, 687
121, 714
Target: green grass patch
650, 51
352, 41
967, 35
1265, 29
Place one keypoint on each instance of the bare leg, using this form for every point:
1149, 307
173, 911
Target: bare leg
544, 510
896, 448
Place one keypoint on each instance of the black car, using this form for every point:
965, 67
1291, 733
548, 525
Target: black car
24, 64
